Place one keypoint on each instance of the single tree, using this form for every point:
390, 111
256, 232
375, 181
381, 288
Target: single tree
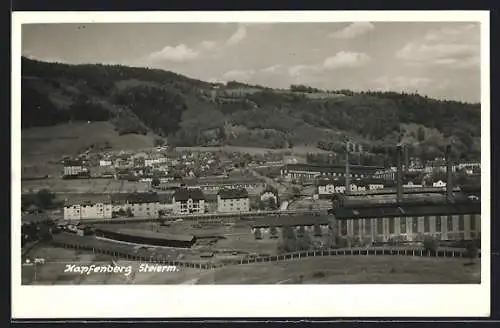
274, 232
472, 251
258, 234
271, 204
317, 230
421, 134
430, 245
44, 198
155, 182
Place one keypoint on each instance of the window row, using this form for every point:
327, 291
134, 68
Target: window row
378, 224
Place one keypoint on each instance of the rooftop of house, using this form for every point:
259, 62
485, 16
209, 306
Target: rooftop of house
183, 194
213, 180
146, 234
405, 210
233, 193
355, 181
90, 199
332, 168
270, 189
135, 198
72, 162
295, 220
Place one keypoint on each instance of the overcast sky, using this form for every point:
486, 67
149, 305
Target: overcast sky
437, 59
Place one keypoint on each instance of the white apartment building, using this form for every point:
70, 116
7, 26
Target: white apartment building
83, 209
233, 200
140, 204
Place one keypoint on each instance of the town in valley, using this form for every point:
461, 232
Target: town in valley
195, 182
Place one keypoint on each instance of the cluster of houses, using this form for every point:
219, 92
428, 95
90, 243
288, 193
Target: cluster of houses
338, 185
469, 168
214, 184
75, 169
314, 171
144, 166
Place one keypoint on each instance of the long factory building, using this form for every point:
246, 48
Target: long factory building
410, 222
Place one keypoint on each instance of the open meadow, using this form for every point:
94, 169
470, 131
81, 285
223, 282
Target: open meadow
43, 147
82, 186
349, 270
53, 271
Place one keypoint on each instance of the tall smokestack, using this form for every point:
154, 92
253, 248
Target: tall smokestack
407, 160
399, 176
347, 173
449, 182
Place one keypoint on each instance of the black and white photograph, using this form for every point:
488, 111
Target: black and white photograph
347, 151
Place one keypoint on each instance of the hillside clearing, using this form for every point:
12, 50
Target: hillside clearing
43, 147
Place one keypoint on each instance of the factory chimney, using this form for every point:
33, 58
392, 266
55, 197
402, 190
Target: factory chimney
449, 182
406, 158
347, 171
399, 176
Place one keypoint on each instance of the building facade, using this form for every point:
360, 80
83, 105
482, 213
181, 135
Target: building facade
270, 193
81, 210
313, 225
188, 201
73, 167
337, 186
105, 162
137, 204
233, 200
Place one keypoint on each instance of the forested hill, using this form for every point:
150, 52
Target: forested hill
192, 112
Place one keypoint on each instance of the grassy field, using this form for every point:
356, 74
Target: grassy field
349, 270
84, 185
324, 270
53, 273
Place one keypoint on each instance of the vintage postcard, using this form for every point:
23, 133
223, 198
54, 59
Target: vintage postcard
273, 163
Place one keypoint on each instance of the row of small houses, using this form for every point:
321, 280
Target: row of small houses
325, 187
150, 204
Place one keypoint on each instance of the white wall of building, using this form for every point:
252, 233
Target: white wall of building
105, 162
233, 205
91, 211
188, 207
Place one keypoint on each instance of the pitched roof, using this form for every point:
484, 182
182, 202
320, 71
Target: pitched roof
135, 198
357, 182
89, 199
72, 162
332, 168
405, 210
270, 189
143, 197
232, 193
183, 194
146, 234
295, 220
